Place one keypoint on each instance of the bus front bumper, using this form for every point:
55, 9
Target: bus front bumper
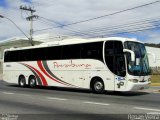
137, 86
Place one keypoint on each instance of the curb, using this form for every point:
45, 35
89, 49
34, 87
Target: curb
152, 91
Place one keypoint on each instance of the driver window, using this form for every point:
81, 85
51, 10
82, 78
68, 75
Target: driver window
114, 57
120, 66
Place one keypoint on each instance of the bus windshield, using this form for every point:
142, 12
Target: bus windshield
141, 65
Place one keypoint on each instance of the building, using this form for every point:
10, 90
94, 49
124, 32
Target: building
154, 59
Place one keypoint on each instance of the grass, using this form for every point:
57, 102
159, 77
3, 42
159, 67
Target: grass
155, 80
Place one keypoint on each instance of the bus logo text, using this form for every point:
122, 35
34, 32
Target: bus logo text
70, 64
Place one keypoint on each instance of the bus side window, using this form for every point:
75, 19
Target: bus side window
53, 53
38, 54
71, 52
6, 56
92, 51
14, 56
109, 48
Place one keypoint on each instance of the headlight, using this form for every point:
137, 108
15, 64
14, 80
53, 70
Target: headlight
133, 80
149, 80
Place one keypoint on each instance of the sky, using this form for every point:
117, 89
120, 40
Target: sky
58, 15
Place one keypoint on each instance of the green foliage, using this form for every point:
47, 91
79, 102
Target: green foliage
152, 45
155, 70
155, 78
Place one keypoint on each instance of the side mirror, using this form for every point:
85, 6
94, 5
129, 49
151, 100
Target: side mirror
153, 55
132, 54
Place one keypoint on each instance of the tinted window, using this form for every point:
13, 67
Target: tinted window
118, 47
92, 50
24, 55
114, 57
78, 51
14, 55
109, 48
38, 54
110, 62
6, 56
120, 69
71, 52
53, 53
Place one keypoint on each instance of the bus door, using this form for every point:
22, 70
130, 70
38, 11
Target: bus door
115, 61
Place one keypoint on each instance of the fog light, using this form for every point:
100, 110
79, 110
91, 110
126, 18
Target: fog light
133, 80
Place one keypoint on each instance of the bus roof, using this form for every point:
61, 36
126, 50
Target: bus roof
74, 41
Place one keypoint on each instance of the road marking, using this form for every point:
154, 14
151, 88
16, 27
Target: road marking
8, 93
53, 98
151, 109
95, 103
24, 94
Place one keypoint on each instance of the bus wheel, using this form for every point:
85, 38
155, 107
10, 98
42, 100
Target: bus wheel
97, 86
32, 81
22, 81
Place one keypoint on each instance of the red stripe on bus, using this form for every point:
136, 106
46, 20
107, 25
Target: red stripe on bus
40, 75
46, 73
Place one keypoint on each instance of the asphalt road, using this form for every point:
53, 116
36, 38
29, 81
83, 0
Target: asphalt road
73, 104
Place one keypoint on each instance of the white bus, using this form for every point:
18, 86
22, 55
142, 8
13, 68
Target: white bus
116, 64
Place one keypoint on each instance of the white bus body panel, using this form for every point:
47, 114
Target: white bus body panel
77, 73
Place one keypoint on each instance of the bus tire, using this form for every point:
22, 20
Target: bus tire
97, 85
22, 81
32, 81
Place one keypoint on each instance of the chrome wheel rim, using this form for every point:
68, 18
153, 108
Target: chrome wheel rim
98, 86
32, 82
22, 82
